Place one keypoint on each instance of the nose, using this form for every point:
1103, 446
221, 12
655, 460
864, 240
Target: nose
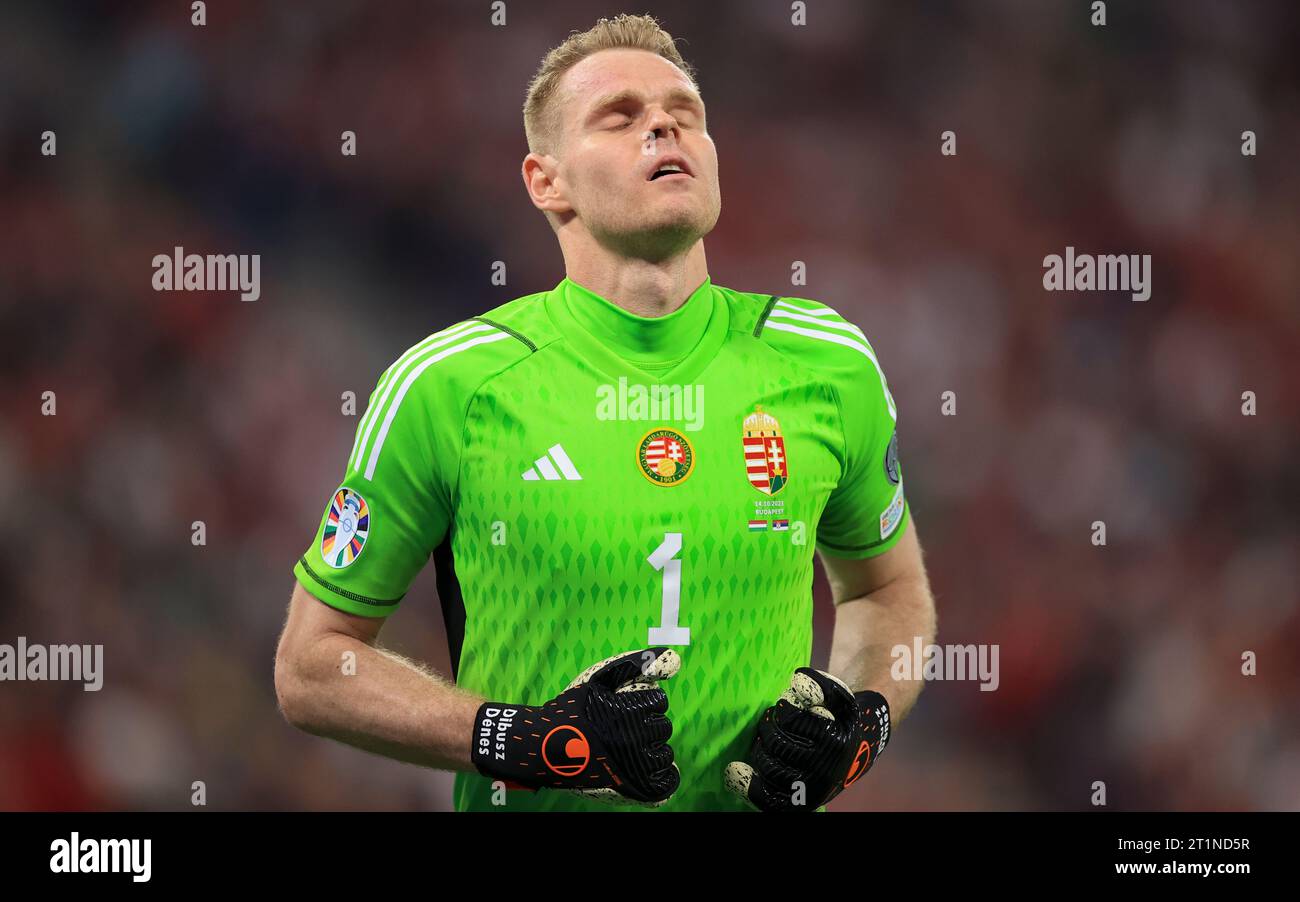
661, 125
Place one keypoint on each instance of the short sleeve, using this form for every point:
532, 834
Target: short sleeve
867, 512
392, 507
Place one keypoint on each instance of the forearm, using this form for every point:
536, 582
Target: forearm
867, 628
381, 702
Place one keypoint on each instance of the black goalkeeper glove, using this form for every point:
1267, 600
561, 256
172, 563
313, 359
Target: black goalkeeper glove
814, 743
604, 737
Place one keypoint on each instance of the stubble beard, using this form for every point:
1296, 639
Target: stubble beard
673, 234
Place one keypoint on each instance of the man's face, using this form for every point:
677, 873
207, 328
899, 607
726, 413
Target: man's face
624, 114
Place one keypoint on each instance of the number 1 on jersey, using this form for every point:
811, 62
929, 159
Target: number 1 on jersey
664, 558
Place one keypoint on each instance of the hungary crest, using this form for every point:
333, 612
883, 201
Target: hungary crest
665, 457
764, 448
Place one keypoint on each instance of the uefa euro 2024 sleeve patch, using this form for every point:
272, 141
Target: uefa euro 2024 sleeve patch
346, 526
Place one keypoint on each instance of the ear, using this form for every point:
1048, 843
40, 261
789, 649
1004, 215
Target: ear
544, 187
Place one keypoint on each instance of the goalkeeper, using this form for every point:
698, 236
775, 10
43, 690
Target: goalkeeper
624, 571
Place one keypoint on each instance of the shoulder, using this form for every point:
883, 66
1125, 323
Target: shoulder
818, 336
746, 309
815, 335
456, 360
525, 319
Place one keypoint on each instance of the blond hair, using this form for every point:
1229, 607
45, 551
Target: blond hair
541, 114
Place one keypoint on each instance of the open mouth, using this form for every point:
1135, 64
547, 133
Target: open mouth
669, 171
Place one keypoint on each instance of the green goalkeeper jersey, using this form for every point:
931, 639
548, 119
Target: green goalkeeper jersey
590, 482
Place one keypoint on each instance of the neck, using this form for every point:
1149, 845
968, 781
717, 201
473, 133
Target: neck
639, 286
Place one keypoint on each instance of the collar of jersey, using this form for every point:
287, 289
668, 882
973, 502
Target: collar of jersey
670, 348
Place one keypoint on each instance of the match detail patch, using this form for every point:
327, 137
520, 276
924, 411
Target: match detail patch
890, 516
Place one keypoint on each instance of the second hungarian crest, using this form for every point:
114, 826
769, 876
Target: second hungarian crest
764, 447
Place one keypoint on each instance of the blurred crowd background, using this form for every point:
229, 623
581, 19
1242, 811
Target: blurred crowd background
1119, 663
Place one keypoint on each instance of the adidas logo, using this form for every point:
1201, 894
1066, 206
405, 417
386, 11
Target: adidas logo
547, 469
